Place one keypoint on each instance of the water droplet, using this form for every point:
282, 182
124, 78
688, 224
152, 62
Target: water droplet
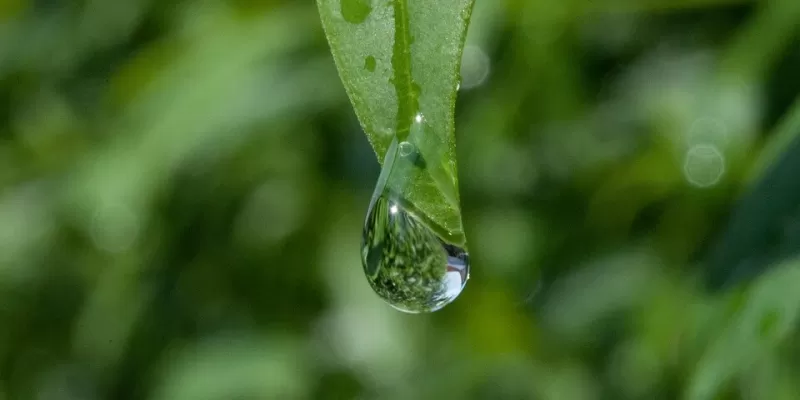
369, 63
704, 165
475, 66
418, 118
356, 11
406, 260
465, 13
406, 149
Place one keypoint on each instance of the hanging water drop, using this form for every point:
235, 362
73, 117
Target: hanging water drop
408, 263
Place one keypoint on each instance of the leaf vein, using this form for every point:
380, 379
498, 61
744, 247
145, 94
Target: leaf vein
407, 90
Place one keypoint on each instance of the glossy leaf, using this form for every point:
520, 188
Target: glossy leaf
399, 62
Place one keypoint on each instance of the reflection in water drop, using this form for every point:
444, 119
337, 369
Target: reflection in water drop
406, 262
704, 165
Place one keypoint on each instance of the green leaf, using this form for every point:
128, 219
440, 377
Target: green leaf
762, 228
764, 225
399, 61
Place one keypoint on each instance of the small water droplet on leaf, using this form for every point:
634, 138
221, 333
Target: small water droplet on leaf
406, 148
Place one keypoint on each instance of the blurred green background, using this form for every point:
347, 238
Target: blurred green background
183, 186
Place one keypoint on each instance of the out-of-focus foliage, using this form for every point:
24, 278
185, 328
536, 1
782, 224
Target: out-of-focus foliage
183, 186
